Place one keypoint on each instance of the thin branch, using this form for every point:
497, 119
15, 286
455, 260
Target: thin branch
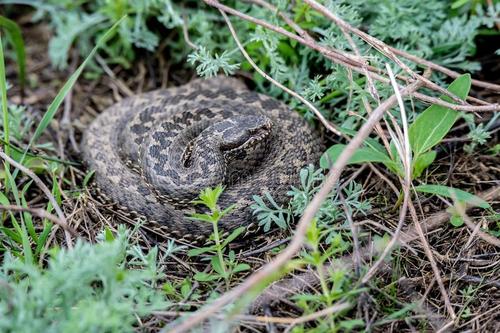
42, 213
391, 51
472, 226
432, 261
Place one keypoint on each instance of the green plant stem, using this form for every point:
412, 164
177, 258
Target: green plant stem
219, 251
324, 287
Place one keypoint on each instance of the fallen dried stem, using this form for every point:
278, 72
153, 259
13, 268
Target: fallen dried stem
40, 213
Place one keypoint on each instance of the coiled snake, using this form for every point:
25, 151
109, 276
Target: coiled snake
153, 153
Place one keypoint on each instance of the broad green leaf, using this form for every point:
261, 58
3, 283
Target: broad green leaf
422, 162
362, 155
432, 125
453, 193
16, 38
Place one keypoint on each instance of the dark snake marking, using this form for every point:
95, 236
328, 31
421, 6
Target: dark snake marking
153, 153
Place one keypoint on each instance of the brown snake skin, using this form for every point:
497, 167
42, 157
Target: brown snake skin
153, 153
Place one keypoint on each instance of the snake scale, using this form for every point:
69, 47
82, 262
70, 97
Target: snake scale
153, 153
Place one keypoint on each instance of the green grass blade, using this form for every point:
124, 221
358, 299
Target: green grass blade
3, 96
56, 103
28, 219
42, 238
16, 38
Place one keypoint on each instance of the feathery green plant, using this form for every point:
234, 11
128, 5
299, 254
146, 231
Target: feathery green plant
90, 288
222, 268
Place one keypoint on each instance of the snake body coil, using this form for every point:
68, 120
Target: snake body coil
153, 153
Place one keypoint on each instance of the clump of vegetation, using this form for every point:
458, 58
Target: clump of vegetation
221, 268
100, 287
331, 211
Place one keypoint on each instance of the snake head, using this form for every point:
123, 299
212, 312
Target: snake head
243, 132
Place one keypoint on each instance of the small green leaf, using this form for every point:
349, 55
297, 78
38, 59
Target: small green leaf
201, 250
241, 268
422, 162
14, 236
459, 3
453, 193
456, 221
432, 125
4, 200
350, 325
201, 217
227, 210
205, 277
217, 266
236, 232
362, 155
209, 197
108, 235
87, 178
186, 288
